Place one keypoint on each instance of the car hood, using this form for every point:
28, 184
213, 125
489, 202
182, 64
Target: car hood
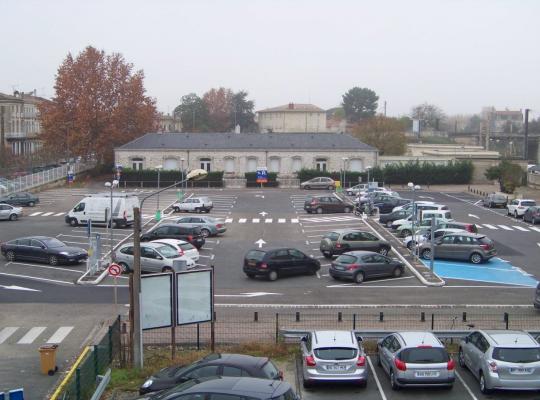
70, 250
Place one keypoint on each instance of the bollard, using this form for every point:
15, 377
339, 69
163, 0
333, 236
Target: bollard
464, 319
354, 321
506, 318
298, 316
277, 327
339, 317
215, 319
256, 316
422, 316
381, 317
432, 321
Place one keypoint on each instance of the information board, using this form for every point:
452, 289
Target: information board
156, 301
262, 175
194, 296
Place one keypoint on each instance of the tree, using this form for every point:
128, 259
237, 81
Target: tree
100, 103
359, 103
193, 113
508, 174
242, 112
431, 116
474, 124
386, 134
534, 125
218, 102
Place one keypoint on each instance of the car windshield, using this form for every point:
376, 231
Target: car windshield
178, 389
270, 370
499, 197
333, 236
335, 353
53, 243
424, 355
346, 259
168, 251
528, 203
519, 355
255, 255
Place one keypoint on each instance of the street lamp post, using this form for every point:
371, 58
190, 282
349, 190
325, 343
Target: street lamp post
413, 187
158, 210
111, 185
182, 191
345, 159
367, 169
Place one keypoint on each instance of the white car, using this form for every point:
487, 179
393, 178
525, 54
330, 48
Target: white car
194, 204
517, 207
409, 205
184, 248
421, 238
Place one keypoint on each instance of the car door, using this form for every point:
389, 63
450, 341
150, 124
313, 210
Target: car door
279, 261
161, 232
299, 261
38, 251
462, 247
5, 211
151, 261
380, 266
445, 247
368, 242
512, 206
476, 355
23, 250
369, 266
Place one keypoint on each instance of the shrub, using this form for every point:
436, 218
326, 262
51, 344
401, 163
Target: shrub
148, 177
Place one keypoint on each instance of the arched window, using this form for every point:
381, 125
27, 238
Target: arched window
251, 164
296, 164
205, 164
275, 164
229, 164
321, 164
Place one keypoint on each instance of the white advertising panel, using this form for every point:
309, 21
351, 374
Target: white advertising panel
194, 296
156, 301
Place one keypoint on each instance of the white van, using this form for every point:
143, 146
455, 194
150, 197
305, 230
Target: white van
96, 207
438, 214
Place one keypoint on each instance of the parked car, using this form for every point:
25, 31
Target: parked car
96, 208
387, 219
212, 365
10, 213
20, 199
327, 204
354, 190
155, 257
532, 215
536, 301
410, 243
422, 205
209, 226
343, 240
463, 246
43, 249
184, 248
276, 263
415, 359
406, 228
322, 182
226, 388
191, 234
501, 359
361, 265
517, 207
377, 197
495, 200
387, 205
194, 204
333, 356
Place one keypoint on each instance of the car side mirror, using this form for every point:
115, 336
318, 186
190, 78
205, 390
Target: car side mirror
304, 339
43, 247
359, 338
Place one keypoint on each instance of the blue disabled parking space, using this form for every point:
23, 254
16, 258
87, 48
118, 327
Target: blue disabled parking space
495, 270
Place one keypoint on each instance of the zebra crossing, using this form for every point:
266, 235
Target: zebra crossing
21, 335
518, 228
296, 220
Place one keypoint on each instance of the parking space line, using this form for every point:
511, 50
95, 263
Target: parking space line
490, 226
506, 228
242, 220
268, 221
48, 267
520, 228
312, 236
255, 220
467, 388
534, 228
281, 220
36, 213
59, 214
37, 278
377, 381
228, 220
391, 279
47, 214
294, 220
32, 335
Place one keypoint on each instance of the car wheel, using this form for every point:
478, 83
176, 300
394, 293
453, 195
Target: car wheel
312, 271
166, 269
397, 272
307, 187
205, 232
383, 251
411, 245
250, 275
389, 224
476, 258
73, 222
347, 210
461, 358
327, 255
31, 204
198, 210
359, 278
330, 187
426, 254
508, 212
10, 255
176, 209
516, 214
272, 276
13, 217
53, 260
379, 363
405, 232
490, 205
125, 268
482, 382
393, 381
319, 210
307, 384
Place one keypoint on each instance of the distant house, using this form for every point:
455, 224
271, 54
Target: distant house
292, 117
501, 121
169, 123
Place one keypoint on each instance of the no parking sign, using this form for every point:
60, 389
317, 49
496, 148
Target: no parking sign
115, 270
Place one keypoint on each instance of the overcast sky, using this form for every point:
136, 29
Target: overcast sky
459, 55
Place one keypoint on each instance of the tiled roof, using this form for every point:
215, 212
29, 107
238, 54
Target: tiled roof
293, 107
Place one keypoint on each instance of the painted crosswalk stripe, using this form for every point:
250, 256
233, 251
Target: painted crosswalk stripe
36, 213
490, 226
506, 228
479, 226
294, 220
520, 228
60, 334
228, 220
281, 220
47, 214
59, 214
256, 220
534, 228
242, 220
7, 332
268, 221
32, 335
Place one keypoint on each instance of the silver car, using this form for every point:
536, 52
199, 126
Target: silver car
502, 359
330, 356
415, 359
155, 257
322, 182
209, 226
463, 246
9, 212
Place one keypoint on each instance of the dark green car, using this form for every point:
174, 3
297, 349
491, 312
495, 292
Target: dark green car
20, 199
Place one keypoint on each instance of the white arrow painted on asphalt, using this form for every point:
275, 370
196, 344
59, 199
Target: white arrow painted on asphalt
260, 195
426, 197
253, 294
260, 242
13, 287
263, 213
474, 216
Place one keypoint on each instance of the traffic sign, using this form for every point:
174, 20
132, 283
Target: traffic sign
115, 269
262, 175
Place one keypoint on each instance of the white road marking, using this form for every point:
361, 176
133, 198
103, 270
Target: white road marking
228, 220
256, 220
490, 226
281, 220
36, 213
268, 221
32, 335
379, 386
47, 214
520, 228
467, 388
534, 228
48, 267
60, 334
59, 214
37, 279
7, 332
479, 226
242, 220
506, 228
389, 279
318, 275
312, 236
294, 220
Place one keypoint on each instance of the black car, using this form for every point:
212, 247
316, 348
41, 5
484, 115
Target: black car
191, 234
387, 219
495, 200
227, 388
212, 365
279, 262
387, 205
20, 199
360, 265
327, 204
42, 248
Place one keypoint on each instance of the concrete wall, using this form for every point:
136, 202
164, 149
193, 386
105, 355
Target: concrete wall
292, 121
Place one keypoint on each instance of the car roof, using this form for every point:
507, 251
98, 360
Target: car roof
236, 385
360, 253
333, 338
419, 338
36, 237
526, 200
471, 234
151, 244
345, 230
450, 230
235, 359
169, 241
510, 338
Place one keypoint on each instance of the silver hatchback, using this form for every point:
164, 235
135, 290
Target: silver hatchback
415, 359
333, 356
502, 359
9, 212
155, 257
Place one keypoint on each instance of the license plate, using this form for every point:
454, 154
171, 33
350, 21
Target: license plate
252, 263
426, 374
338, 267
336, 367
521, 371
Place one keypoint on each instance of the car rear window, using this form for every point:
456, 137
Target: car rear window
335, 353
255, 255
519, 355
333, 236
485, 240
186, 246
346, 259
528, 203
424, 355
499, 197
167, 251
270, 370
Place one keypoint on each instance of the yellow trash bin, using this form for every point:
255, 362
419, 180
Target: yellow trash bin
47, 354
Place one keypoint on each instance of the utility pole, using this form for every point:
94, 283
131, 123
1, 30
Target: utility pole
385, 108
526, 144
2, 138
135, 326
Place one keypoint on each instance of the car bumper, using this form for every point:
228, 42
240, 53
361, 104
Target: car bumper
495, 382
256, 271
426, 382
221, 230
357, 376
73, 259
336, 273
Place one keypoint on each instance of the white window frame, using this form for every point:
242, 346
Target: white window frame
321, 164
294, 161
137, 163
206, 163
251, 160
270, 165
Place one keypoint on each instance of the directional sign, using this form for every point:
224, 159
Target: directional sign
260, 242
263, 213
115, 269
262, 175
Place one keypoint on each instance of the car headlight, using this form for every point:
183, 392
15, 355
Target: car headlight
148, 383
64, 253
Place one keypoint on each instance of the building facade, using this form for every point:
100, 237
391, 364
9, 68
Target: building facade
292, 118
236, 154
22, 126
169, 123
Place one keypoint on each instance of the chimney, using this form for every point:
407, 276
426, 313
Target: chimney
291, 106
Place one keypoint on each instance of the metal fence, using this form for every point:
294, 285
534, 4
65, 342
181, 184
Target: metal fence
81, 382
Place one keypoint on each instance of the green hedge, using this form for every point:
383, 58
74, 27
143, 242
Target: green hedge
251, 180
148, 178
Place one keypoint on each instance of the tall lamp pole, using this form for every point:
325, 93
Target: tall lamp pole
345, 159
111, 185
182, 191
367, 169
413, 187
158, 210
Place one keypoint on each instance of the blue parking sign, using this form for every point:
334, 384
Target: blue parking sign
262, 175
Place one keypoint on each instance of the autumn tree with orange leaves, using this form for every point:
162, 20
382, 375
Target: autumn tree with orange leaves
100, 103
